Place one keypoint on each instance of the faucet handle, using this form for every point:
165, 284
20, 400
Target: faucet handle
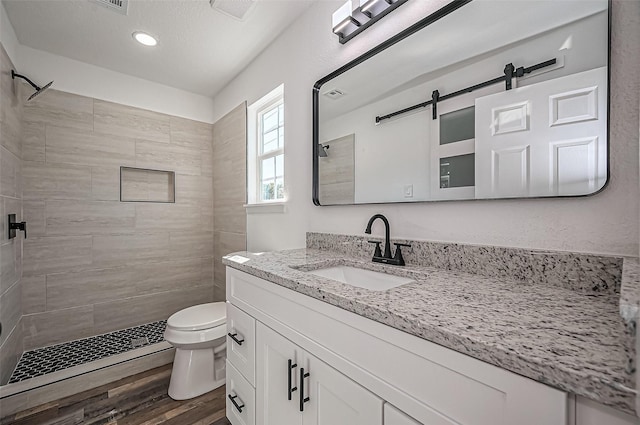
398, 255
378, 251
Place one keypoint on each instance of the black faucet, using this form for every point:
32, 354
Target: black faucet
386, 258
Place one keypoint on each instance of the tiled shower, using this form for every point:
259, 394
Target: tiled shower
94, 262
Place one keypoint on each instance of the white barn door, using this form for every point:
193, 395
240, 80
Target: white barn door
545, 139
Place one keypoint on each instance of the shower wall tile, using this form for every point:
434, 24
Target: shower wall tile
10, 206
129, 249
192, 134
34, 216
10, 352
10, 174
34, 294
127, 121
82, 147
11, 311
229, 191
225, 243
194, 190
184, 243
11, 189
10, 256
88, 217
56, 181
53, 327
105, 183
11, 137
120, 314
159, 156
147, 185
33, 141
90, 256
98, 286
60, 109
56, 254
166, 217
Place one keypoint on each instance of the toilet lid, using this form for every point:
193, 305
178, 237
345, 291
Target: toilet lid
198, 317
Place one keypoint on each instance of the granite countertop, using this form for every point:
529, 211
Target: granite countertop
575, 341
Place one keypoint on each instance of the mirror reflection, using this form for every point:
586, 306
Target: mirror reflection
494, 100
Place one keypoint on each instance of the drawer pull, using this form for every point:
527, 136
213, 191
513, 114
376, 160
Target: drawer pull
303, 399
233, 337
233, 400
289, 378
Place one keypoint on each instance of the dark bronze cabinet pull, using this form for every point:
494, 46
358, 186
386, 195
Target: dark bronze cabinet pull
289, 377
303, 399
233, 337
233, 400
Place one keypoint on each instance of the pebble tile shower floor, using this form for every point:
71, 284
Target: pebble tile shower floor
53, 358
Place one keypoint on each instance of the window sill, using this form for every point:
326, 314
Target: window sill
266, 208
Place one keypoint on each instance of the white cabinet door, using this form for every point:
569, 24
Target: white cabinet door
393, 416
545, 139
277, 363
334, 399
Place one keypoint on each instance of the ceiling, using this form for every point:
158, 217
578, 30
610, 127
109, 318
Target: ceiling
200, 49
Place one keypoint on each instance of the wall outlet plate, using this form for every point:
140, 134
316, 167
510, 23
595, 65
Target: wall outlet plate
408, 191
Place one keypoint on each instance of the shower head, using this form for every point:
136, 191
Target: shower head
322, 150
39, 90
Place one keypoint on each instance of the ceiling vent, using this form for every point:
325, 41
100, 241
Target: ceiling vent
120, 6
334, 94
237, 9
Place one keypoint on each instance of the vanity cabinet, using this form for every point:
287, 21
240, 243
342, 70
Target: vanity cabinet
364, 372
295, 387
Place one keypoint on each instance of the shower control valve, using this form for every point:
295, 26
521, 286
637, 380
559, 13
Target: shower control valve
13, 226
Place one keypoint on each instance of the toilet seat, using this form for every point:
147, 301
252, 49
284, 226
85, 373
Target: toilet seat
199, 317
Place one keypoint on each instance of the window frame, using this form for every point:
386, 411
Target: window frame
255, 156
261, 156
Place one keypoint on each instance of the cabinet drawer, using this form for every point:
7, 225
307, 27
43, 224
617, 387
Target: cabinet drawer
241, 342
393, 416
241, 398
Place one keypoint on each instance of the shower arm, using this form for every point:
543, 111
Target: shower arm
14, 74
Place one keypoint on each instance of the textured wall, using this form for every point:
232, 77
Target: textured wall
10, 203
229, 190
604, 223
93, 264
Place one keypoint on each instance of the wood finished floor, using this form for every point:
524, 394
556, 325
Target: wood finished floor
136, 400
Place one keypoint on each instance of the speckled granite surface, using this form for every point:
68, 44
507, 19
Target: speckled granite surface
630, 290
570, 339
585, 272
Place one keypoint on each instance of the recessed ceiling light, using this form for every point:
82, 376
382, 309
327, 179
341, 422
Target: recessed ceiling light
144, 38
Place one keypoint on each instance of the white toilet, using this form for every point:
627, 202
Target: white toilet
199, 335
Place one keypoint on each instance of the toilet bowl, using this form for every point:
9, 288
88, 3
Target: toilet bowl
199, 335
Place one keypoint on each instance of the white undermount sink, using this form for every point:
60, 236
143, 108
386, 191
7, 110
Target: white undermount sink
361, 278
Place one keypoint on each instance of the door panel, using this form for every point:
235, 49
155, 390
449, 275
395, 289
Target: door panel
562, 122
273, 352
335, 399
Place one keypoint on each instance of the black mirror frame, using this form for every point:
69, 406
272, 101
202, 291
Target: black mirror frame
438, 14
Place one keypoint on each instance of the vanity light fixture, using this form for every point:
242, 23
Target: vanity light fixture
144, 38
355, 16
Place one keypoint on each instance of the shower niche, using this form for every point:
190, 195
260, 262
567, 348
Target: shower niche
144, 185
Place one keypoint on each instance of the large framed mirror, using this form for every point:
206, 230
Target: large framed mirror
484, 99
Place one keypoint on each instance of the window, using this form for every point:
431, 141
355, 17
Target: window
271, 152
265, 149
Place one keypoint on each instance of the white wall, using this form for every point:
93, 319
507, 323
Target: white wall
8, 35
604, 223
92, 81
